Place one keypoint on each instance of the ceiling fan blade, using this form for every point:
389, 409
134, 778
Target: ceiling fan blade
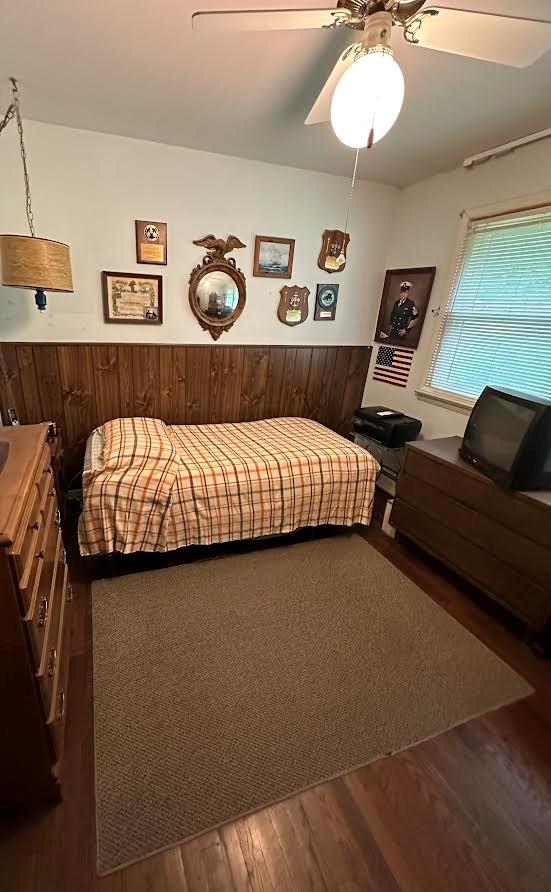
321, 109
262, 19
480, 35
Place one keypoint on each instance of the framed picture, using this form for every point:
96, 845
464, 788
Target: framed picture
150, 242
132, 298
273, 257
326, 302
406, 295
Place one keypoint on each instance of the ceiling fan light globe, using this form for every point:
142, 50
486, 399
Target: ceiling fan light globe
368, 96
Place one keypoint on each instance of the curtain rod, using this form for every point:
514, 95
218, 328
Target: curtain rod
474, 160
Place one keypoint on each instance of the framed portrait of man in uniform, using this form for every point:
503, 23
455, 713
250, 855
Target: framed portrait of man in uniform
406, 295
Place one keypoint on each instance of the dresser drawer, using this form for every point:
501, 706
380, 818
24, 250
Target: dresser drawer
31, 578
51, 655
525, 598
41, 603
28, 535
28, 547
523, 555
482, 495
45, 487
58, 710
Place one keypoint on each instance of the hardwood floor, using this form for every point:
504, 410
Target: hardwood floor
469, 810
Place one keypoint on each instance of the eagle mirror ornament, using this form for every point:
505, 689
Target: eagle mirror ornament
217, 290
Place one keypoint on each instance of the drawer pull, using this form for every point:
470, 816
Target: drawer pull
42, 613
40, 555
69, 592
35, 525
61, 708
52, 660
52, 491
63, 556
57, 520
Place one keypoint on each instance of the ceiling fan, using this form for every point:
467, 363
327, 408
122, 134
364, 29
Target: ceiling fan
364, 93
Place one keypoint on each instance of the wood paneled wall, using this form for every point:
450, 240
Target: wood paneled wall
83, 385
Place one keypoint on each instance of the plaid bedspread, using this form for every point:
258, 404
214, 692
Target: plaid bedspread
160, 487
127, 498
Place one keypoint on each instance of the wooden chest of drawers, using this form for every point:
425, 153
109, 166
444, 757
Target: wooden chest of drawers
499, 541
35, 628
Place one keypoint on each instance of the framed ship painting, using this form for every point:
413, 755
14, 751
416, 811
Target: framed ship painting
273, 257
132, 298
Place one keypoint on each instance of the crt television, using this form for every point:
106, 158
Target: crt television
508, 438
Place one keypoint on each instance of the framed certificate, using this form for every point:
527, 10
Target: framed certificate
150, 242
132, 298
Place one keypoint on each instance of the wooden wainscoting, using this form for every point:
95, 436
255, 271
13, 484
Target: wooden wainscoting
83, 385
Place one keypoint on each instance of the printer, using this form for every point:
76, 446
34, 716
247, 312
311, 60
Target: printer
387, 426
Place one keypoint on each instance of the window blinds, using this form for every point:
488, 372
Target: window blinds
496, 329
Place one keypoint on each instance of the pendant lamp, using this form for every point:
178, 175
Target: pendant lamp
27, 261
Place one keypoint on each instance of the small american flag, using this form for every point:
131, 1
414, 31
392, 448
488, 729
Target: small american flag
393, 365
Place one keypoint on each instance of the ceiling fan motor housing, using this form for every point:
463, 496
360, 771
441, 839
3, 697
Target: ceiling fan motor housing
377, 31
357, 10
361, 11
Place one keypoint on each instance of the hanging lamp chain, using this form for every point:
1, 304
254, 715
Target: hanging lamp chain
7, 117
14, 111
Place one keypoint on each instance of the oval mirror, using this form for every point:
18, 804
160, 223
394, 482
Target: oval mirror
217, 289
217, 294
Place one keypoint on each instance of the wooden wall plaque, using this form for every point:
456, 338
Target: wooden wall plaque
334, 245
151, 242
293, 305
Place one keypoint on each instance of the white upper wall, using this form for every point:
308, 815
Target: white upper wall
137, 69
88, 189
425, 234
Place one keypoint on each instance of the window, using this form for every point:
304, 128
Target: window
496, 328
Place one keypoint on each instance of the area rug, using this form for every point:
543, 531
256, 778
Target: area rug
226, 685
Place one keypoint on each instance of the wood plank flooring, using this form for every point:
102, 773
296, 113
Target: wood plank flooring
467, 811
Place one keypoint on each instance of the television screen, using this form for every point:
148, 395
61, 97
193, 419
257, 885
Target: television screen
497, 428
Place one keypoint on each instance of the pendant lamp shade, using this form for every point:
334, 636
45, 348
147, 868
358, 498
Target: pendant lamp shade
27, 262
31, 262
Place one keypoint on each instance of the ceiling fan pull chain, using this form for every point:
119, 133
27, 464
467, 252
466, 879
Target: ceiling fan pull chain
17, 111
351, 191
371, 137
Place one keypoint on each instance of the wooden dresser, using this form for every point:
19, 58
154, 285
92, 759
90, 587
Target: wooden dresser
35, 627
499, 541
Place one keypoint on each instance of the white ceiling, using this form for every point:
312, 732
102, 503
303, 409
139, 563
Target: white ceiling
135, 67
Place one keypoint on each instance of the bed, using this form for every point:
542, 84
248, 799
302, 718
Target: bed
149, 486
